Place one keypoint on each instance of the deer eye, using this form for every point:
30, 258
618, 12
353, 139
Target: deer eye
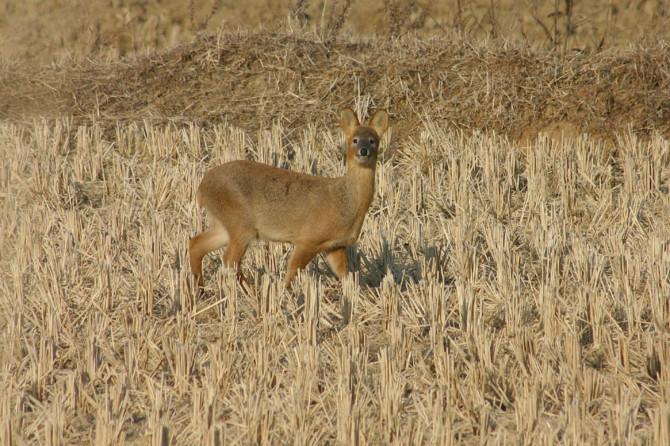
372, 141
355, 141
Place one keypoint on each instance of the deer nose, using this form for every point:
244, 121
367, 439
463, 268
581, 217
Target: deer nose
364, 151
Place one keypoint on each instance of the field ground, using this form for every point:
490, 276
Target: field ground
512, 279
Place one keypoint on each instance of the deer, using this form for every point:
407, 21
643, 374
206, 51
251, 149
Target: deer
247, 200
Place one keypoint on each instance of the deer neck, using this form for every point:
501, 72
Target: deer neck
360, 185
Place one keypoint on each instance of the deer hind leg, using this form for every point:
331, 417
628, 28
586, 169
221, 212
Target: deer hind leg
337, 259
200, 245
233, 258
299, 259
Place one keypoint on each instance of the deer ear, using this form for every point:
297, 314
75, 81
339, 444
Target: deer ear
348, 120
379, 122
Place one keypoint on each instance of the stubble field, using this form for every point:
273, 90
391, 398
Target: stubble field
511, 283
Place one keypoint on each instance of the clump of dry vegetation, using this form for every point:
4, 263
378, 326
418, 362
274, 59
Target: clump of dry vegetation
512, 279
252, 78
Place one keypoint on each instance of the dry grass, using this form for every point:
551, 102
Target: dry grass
292, 71
510, 287
509, 295
253, 78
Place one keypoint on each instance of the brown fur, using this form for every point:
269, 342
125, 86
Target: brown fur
248, 200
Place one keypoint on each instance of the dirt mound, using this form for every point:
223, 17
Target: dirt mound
250, 78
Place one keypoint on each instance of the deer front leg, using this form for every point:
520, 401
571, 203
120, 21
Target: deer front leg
300, 258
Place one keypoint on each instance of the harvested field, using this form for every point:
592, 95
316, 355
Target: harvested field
511, 283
